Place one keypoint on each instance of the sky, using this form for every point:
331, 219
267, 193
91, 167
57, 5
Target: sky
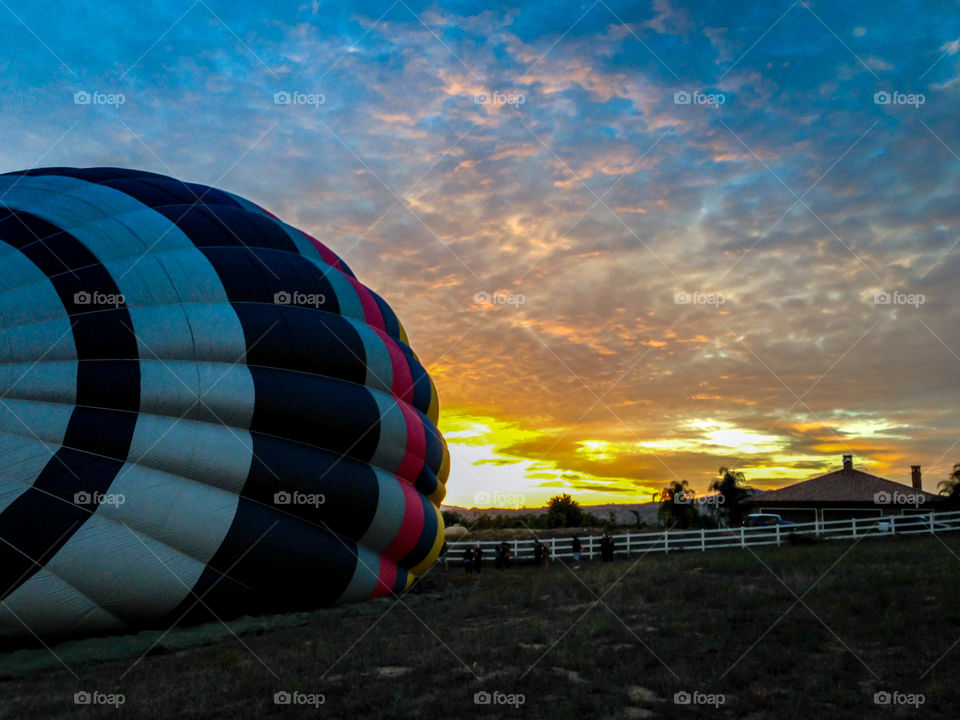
632, 242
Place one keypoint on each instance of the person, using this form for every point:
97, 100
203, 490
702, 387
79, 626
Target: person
468, 560
477, 558
498, 556
546, 554
537, 552
577, 548
505, 554
606, 548
444, 549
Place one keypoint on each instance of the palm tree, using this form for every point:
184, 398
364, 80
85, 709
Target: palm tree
951, 486
675, 506
731, 484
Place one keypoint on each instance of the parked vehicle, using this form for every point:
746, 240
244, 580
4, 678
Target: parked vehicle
908, 523
766, 520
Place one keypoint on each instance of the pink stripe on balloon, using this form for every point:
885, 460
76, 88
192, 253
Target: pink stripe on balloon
386, 578
406, 540
329, 257
413, 458
402, 383
371, 311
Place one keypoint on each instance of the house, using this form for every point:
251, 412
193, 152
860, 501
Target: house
846, 493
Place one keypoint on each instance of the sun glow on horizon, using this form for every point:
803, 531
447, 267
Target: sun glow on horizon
503, 463
484, 473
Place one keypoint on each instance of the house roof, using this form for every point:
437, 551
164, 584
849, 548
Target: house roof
840, 486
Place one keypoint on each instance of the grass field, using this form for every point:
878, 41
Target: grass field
791, 632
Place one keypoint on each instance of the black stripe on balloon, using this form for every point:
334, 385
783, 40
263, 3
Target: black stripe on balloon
422, 390
221, 225
156, 191
433, 457
427, 536
270, 562
68, 489
391, 324
331, 414
319, 486
150, 189
288, 337
262, 275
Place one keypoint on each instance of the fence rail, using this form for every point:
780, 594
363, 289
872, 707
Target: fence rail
627, 544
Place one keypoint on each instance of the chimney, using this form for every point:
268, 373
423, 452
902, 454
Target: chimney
916, 478
848, 462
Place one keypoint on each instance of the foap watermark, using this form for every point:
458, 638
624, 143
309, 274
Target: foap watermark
484, 697
899, 498
885, 697
301, 299
295, 97
96, 697
699, 298
896, 297
295, 697
685, 697
98, 498
499, 499
299, 498
695, 97
500, 98
689, 498
498, 297
83, 97
885, 97
99, 299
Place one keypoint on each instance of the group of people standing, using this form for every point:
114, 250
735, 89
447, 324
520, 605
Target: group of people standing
473, 559
502, 555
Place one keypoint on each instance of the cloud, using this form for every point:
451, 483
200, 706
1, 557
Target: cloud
598, 199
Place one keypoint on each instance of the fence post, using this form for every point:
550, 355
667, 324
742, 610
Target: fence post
629, 535
743, 537
931, 521
703, 540
778, 535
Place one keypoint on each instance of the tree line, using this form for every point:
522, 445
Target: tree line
679, 507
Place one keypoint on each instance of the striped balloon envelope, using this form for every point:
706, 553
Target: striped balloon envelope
202, 413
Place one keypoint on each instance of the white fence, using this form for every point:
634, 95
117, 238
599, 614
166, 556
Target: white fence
626, 544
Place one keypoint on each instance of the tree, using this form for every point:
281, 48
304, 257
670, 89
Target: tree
677, 508
951, 486
731, 484
564, 511
452, 518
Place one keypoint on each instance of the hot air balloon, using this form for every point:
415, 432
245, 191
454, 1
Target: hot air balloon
202, 413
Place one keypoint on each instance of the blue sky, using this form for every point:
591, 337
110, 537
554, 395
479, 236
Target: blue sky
586, 187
